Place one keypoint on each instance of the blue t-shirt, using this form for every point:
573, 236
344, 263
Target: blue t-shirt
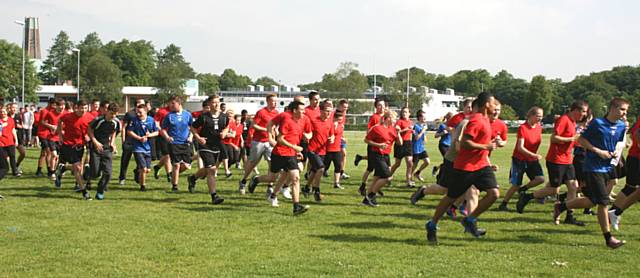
445, 139
603, 135
177, 125
418, 142
141, 128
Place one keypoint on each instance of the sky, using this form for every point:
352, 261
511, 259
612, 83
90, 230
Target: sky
297, 41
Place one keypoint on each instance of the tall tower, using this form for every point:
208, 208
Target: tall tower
32, 38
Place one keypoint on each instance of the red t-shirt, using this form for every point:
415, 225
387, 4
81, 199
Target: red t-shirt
6, 138
404, 124
307, 127
382, 134
52, 118
262, 118
43, 131
232, 127
161, 113
456, 119
479, 129
247, 141
94, 114
499, 127
74, 128
634, 150
312, 113
374, 120
237, 141
322, 130
532, 137
292, 132
338, 131
560, 153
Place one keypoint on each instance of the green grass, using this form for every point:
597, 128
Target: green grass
49, 232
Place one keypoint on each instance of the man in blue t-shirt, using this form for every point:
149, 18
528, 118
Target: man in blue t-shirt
603, 141
175, 129
139, 130
419, 152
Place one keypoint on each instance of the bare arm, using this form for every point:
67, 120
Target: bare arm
284, 142
588, 146
521, 149
468, 143
59, 131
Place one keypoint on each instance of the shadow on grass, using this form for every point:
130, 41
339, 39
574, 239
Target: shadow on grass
46, 196
370, 239
374, 225
39, 188
416, 216
207, 208
149, 199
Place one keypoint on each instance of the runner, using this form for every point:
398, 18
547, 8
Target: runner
127, 142
245, 121
601, 141
50, 121
208, 131
445, 140
162, 146
8, 138
343, 105
335, 150
625, 198
323, 135
559, 161
42, 133
103, 131
20, 140
139, 130
380, 138
232, 151
418, 150
525, 159
374, 120
175, 130
471, 167
406, 149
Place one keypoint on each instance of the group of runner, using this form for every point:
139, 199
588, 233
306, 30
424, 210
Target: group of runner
585, 154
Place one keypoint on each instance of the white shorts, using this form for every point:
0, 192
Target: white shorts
259, 150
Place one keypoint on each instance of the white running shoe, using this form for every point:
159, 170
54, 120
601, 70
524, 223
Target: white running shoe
269, 192
614, 219
286, 193
344, 176
274, 202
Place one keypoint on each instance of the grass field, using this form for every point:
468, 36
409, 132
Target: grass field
49, 232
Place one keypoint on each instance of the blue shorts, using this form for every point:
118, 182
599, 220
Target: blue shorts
521, 167
143, 160
343, 144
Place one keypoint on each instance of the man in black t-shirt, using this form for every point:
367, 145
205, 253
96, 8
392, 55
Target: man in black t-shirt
246, 125
103, 131
208, 131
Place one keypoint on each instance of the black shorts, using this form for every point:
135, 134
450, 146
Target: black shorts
34, 131
210, 158
20, 135
305, 150
336, 159
180, 153
419, 156
370, 161
596, 188
560, 173
444, 174
619, 171
44, 144
381, 165
47, 144
633, 170
143, 160
71, 154
406, 149
521, 167
283, 163
578, 161
162, 146
443, 148
154, 148
483, 179
230, 153
316, 161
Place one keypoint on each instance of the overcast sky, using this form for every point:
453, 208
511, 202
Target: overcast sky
298, 41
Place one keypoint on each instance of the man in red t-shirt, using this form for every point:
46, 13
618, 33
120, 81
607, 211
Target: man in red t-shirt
50, 122
323, 134
380, 138
404, 151
560, 161
42, 133
525, 158
72, 130
343, 105
335, 149
287, 152
231, 149
163, 146
260, 146
630, 194
471, 167
374, 120
457, 118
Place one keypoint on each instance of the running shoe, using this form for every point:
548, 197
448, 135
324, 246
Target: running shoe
253, 184
156, 172
216, 200
192, 183
418, 195
344, 176
242, 187
99, 196
86, 196
286, 193
432, 232
299, 209
357, 160
317, 196
472, 228
613, 243
338, 186
273, 201
614, 219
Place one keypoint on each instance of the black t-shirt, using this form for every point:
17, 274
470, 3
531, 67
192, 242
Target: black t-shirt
211, 127
103, 129
18, 120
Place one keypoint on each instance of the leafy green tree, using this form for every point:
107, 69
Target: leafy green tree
508, 113
266, 81
59, 65
540, 94
135, 59
171, 73
230, 80
472, 83
510, 91
597, 104
11, 73
103, 80
209, 84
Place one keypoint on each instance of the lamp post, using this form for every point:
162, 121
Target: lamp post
22, 24
78, 76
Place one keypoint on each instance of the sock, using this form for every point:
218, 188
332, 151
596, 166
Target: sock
528, 196
471, 219
372, 195
316, 189
431, 225
562, 196
504, 202
243, 181
273, 196
84, 191
213, 196
607, 236
175, 186
563, 206
39, 170
363, 185
417, 173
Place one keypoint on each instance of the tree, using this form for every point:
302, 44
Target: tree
208, 83
230, 80
135, 59
267, 82
508, 113
171, 73
597, 104
540, 94
510, 91
11, 73
103, 79
59, 65
472, 83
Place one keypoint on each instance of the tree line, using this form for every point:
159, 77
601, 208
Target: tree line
106, 68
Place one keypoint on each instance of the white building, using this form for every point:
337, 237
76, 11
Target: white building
440, 103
